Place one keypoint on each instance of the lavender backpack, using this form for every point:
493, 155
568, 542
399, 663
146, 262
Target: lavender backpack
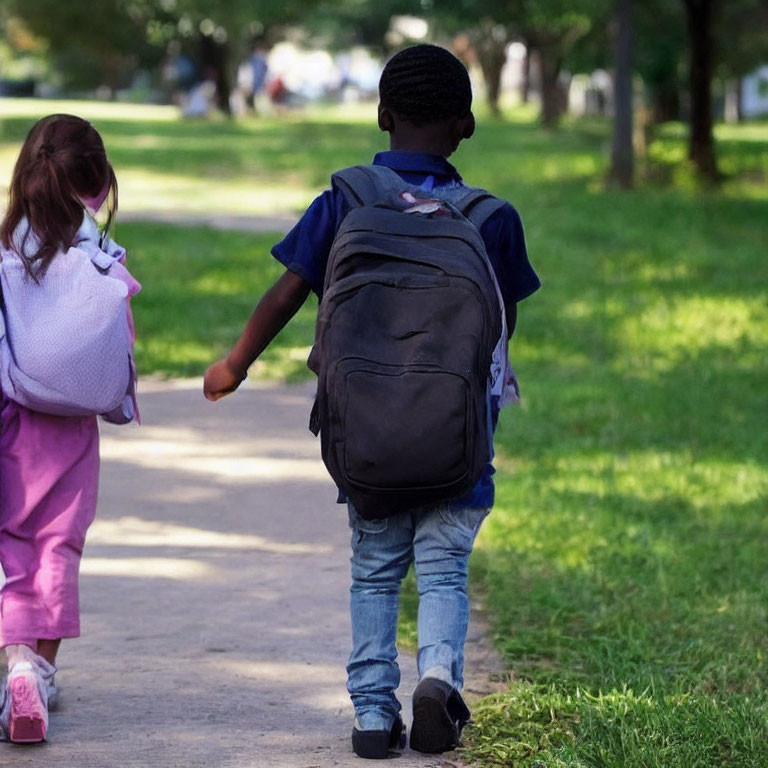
65, 341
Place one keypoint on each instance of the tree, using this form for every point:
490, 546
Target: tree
697, 39
490, 41
344, 23
483, 27
552, 27
549, 28
100, 40
660, 55
701, 143
622, 156
741, 39
103, 42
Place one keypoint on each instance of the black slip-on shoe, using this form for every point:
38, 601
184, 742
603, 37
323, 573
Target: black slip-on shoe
376, 745
439, 714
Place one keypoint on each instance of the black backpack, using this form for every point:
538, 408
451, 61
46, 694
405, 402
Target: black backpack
406, 330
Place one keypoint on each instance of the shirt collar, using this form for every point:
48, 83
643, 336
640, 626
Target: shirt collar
417, 162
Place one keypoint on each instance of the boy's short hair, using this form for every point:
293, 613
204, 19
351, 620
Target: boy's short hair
425, 84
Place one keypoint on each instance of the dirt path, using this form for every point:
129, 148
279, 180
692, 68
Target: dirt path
214, 596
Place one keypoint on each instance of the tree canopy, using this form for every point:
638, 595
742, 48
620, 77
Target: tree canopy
678, 47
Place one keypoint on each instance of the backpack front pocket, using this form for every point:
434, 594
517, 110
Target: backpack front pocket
405, 429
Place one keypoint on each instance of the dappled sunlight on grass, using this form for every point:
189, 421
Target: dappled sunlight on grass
91, 110
654, 475
359, 113
749, 133
287, 363
677, 328
548, 349
543, 727
578, 309
627, 582
658, 274
167, 352
742, 158
667, 153
258, 166
277, 164
553, 168
703, 483
625, 560
143, 190
216, 285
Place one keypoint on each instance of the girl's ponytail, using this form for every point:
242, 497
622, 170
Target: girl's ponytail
62, 161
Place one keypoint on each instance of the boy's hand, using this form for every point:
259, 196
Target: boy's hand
220, 380
276, 307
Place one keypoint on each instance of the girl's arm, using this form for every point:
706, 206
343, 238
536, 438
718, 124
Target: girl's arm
276, 307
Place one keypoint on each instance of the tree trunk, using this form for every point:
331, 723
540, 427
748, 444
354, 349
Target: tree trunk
525, 82
622, 157
666, 102
214, 65
492, 54
701, 148
551, 98
110, 71
732, 108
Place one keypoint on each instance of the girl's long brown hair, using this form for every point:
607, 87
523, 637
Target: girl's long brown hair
62, 161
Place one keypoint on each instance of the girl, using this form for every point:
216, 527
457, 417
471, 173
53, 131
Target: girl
49, 464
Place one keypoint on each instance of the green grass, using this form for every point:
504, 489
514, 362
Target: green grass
626, 560
261, 166
199, 286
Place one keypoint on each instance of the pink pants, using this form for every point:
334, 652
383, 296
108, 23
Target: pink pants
49, 473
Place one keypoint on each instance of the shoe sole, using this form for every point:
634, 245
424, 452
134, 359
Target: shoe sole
379, 745
432, 731
372, 745
27, 723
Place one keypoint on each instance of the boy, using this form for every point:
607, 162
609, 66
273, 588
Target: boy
425, 106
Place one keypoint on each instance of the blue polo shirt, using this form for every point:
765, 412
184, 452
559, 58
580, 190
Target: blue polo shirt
305, 250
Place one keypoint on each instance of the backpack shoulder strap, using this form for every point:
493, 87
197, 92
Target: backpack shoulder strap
478, 205
366, 184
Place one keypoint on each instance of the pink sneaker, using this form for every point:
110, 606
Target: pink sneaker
24, 711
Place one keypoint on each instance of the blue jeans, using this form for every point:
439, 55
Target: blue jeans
438, 540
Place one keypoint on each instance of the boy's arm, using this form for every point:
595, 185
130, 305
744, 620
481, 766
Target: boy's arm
276, 307
511, 311
503, 234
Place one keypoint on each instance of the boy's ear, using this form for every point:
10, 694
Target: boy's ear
469, 126
386, 120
